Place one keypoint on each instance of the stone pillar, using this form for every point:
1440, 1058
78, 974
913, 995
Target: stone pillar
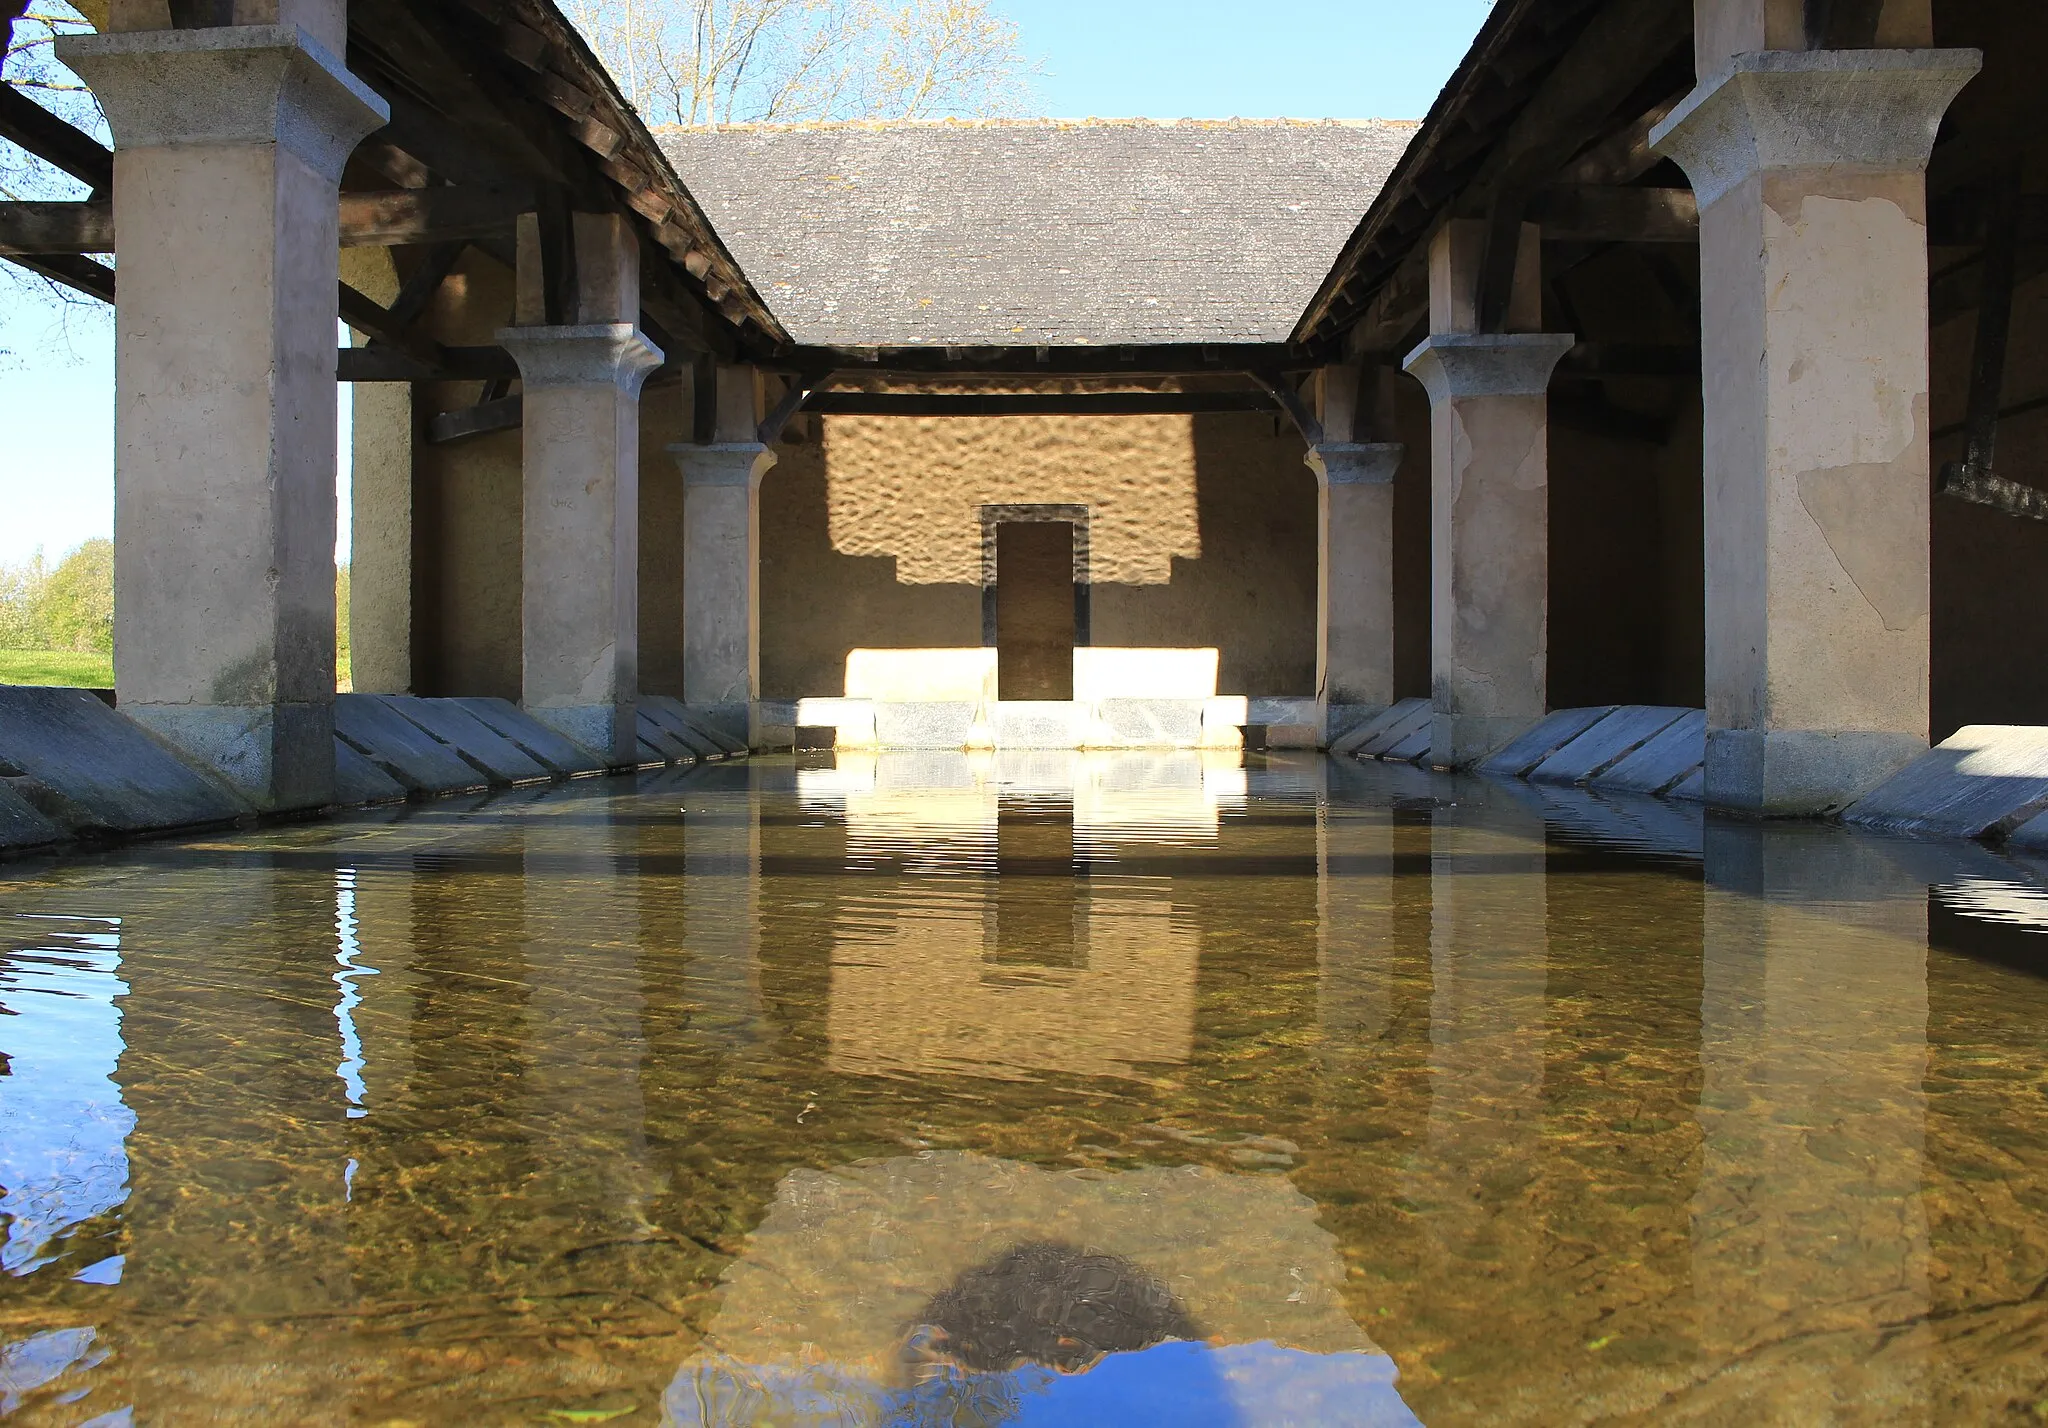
1489, 500
722, 561
229, 145
1809, 168
580, 535
1355, 585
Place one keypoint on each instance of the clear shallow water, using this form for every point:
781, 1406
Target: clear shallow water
770, 1094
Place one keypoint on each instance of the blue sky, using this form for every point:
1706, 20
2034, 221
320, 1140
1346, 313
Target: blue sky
1345, 59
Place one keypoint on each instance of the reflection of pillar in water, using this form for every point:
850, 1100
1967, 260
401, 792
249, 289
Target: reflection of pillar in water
1808, 1228
721, 899
1354, 924
584, 1010
1488, 960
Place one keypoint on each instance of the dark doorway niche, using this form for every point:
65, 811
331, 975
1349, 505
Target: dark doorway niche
1035, 625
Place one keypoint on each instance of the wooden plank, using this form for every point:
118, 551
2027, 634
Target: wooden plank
504, 414
52, 140
458, 364
62, 227
74, 271
1581, 214
388, 218
965, 404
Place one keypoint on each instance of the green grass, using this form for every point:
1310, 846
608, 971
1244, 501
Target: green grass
83, 671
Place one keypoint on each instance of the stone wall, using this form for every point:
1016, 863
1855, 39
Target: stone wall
1202, 532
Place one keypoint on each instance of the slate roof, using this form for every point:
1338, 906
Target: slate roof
1029, 233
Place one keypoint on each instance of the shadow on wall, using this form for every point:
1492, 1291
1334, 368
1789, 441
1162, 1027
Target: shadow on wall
1250, 591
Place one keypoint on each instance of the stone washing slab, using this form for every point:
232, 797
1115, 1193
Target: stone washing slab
1982, 781
22, 827
401, 748
552, 750
1606, 743
1037, 724
1399, 725
1354, 739
1663, 761
666, 746
704, 736
92, 771
1552, 733
1148, 723
924, 723
1692, 788
357, 781
502, 761
1108, 672
1415, 746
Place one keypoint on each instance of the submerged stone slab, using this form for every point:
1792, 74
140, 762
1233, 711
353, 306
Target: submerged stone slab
924, 724
93, 771
1397, 726
1606, 743
543, 745
358, 781
1038, 724
1663, 760
1551, 734
1148, 723
401, 748
1986, 780
502, 761
22, 826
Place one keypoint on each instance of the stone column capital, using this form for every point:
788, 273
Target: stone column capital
233, 85
1355, 463
1487, 364
597, 354
1871, 111
730, 463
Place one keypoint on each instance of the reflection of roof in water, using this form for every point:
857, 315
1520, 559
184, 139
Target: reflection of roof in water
834, 1283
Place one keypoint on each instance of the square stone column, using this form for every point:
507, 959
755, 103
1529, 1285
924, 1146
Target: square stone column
580, 540
722, 580
1355, 585
228, 150
1489, 535
1809, 168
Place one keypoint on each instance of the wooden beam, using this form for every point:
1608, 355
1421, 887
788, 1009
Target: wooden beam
61, 227
1619, 215
503, 414
73, 270
1625, 155
961, 404
1630, 359
52, 140
1400, 305
389, 218
458, 364
368, 317
1287, 397
801, 385
1172, 359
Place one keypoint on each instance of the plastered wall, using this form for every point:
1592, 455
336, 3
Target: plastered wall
1202, 533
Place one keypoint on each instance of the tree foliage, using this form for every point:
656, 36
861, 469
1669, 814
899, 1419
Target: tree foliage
784, 61
70, 607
